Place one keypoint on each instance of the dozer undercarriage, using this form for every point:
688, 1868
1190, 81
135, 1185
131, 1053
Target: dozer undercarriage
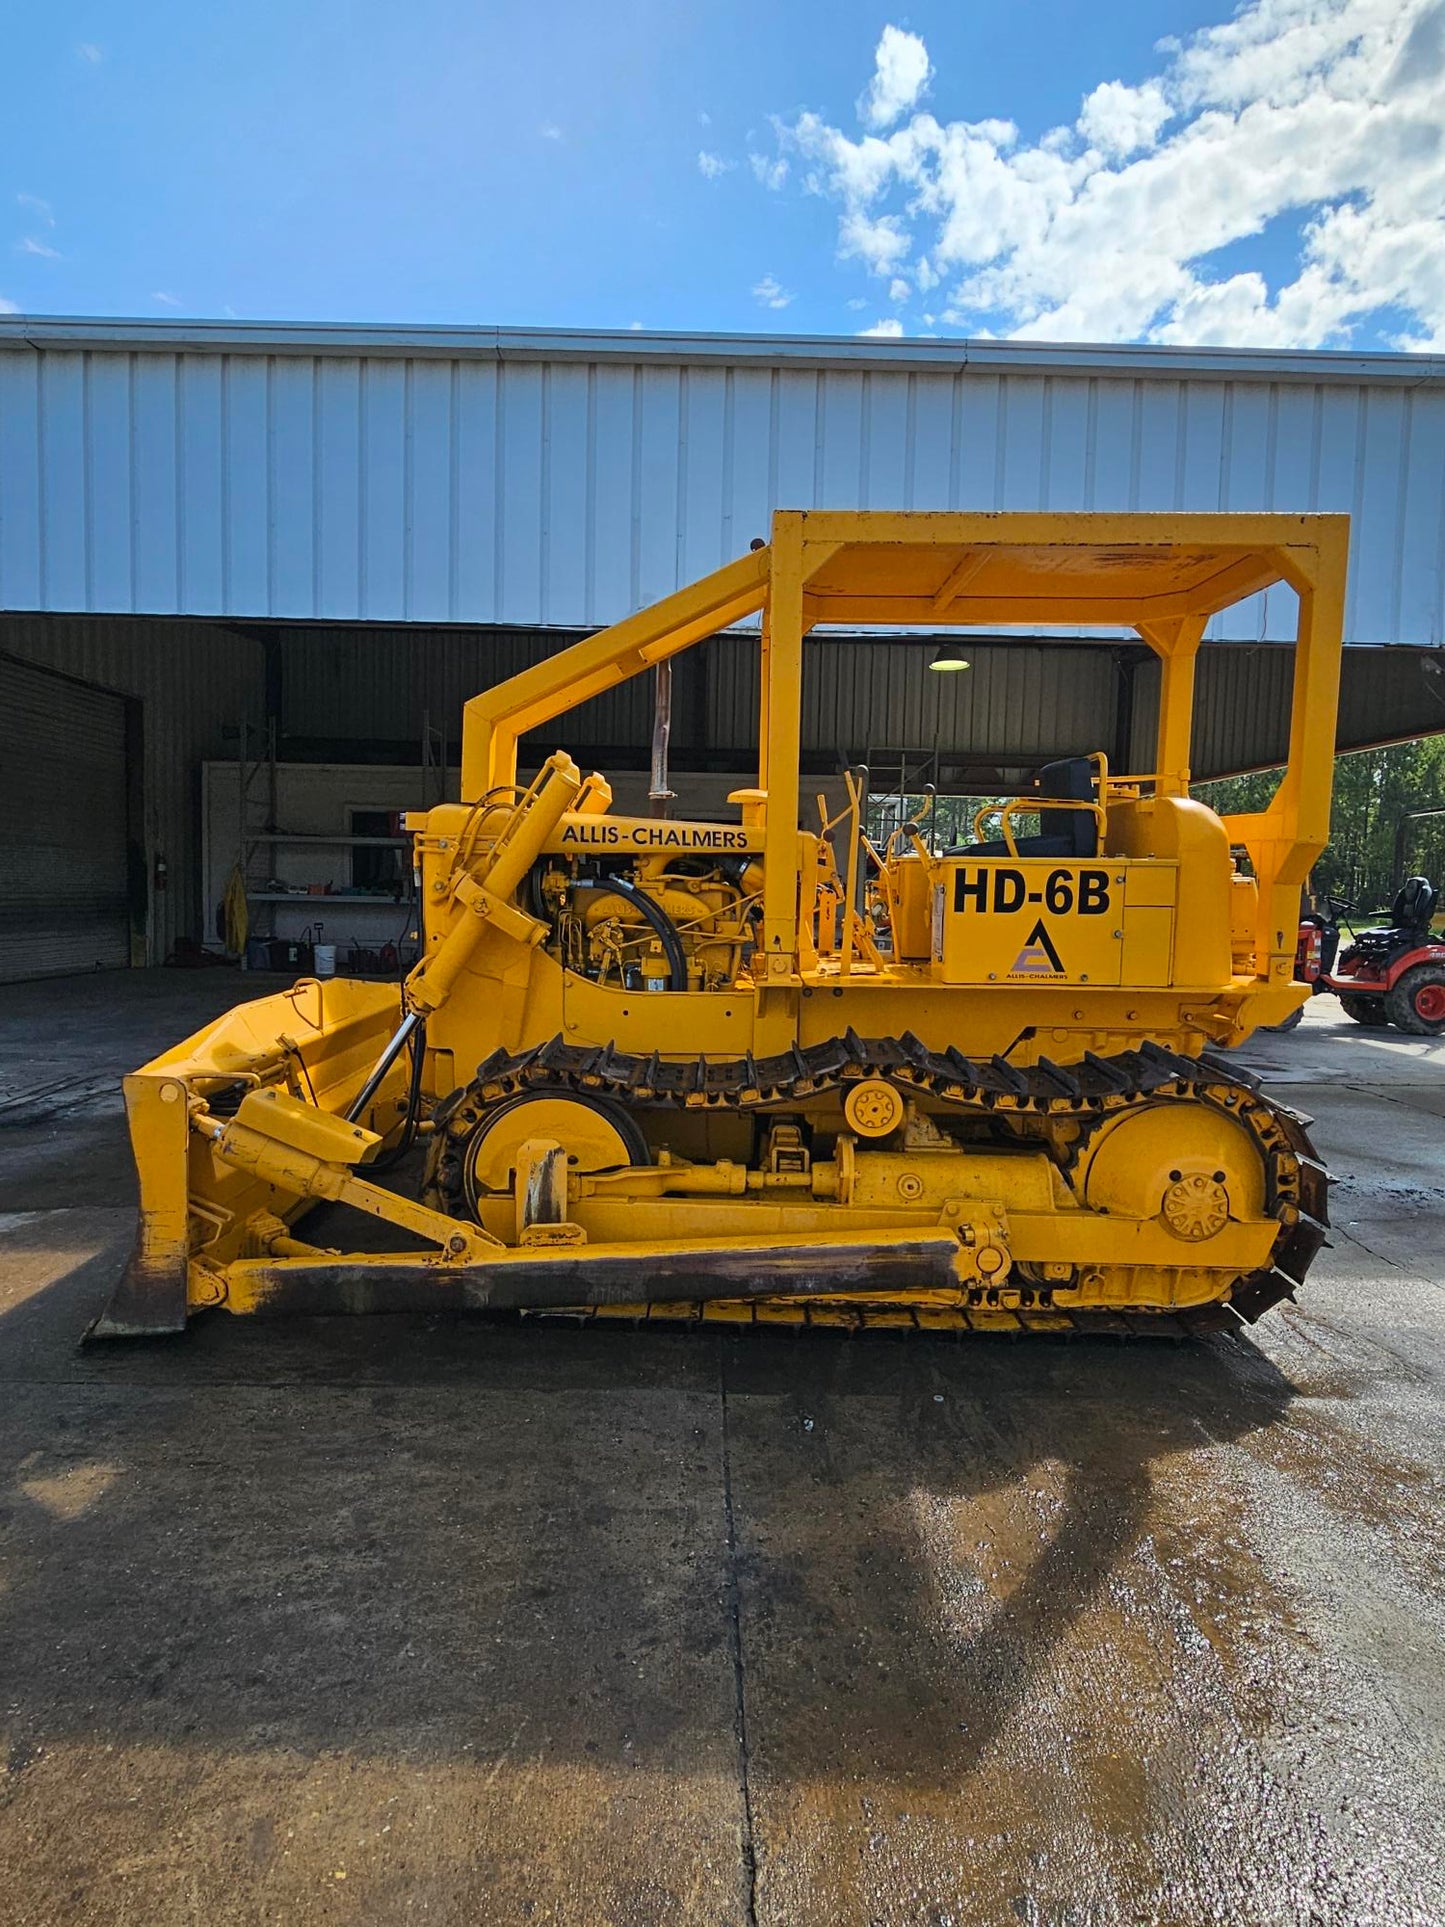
745, 1070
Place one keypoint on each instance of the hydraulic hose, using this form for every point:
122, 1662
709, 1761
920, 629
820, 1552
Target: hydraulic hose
663, 927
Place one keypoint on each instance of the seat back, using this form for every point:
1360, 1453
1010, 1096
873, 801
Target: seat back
1415, 905
1066, 833
1071, 781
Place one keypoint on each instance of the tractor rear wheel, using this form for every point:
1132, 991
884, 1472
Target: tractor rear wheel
1417, 1002
1366, 1010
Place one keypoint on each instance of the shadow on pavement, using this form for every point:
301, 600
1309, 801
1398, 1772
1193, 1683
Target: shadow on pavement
437, 1539
915, 1560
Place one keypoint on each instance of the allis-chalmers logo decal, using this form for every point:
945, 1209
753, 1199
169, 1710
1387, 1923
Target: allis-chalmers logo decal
1038, 958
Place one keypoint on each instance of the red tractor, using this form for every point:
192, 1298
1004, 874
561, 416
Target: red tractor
1395, 973
1315, 951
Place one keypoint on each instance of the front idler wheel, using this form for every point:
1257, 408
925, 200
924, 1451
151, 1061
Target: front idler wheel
595, 1134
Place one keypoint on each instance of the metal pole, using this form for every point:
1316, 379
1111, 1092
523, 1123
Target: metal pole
858, 871
659, 795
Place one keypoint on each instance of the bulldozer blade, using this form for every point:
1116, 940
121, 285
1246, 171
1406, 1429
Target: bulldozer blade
583, 1276
149, 1299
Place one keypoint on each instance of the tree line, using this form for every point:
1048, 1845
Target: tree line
1374, 789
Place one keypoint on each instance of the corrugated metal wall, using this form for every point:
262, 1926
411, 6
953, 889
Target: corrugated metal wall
1242, 704
64, 858
1019, 703
1018, 700
193, 679
382, 684
564, 487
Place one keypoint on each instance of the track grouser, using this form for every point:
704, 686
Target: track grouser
764, 1068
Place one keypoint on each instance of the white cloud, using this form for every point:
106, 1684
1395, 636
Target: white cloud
888, 329
900, 74
711, 165
550, 131
1322, 116
166, 300
882, 244
771, 293
898, 289
634, 327
31, 246
704, 118
858, 169
8, 307
771, 174
1119, 120
90, 53
42, 210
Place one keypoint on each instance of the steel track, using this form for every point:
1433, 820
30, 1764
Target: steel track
1083, 1096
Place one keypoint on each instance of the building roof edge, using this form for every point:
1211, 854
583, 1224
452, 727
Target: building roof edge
863, 353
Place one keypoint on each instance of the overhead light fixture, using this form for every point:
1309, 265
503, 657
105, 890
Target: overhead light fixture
948, 655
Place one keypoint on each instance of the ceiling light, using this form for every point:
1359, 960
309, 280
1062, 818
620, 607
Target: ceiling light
948, 655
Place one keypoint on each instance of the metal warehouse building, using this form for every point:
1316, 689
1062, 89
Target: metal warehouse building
249, 574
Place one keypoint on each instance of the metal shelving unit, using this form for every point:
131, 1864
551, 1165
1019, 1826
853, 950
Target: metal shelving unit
315, 836
258, 805
326, 896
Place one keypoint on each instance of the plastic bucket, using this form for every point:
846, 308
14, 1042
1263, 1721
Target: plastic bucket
326, 959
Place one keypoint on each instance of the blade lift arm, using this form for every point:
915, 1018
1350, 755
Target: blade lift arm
306, 1153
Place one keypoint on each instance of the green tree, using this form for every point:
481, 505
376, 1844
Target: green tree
1374, 788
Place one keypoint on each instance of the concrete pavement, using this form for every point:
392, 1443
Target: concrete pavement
394, 1620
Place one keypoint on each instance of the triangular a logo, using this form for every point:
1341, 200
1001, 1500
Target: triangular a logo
1038, 958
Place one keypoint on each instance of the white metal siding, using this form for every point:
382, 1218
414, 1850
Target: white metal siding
565, 487
63, 899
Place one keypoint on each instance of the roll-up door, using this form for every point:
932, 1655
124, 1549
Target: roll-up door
63, 896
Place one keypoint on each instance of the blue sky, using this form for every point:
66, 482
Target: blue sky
1271, 173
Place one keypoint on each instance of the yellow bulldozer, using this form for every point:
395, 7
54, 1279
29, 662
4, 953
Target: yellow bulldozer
767, 1071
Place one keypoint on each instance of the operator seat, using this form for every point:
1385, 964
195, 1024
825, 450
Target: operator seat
1409, 923
1066, 833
